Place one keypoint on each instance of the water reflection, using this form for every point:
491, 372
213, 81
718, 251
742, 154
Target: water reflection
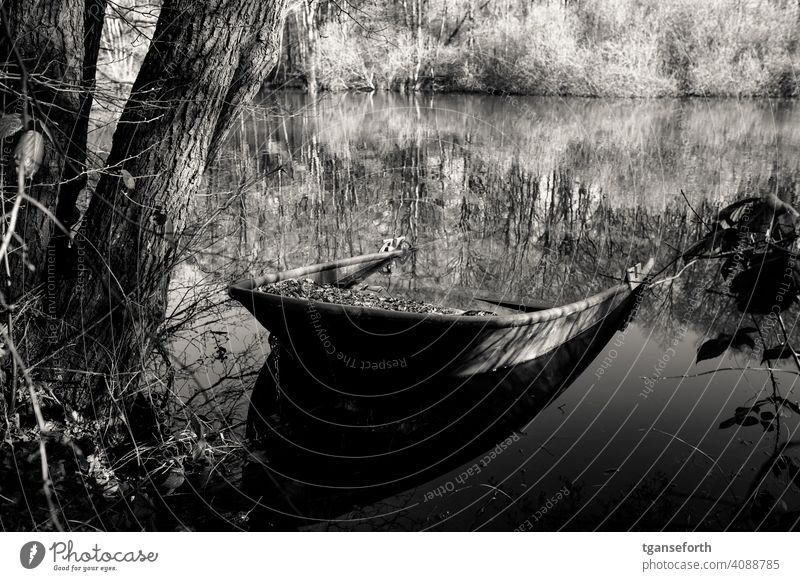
547, 201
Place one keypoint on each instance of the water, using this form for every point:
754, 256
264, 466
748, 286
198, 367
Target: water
536, 199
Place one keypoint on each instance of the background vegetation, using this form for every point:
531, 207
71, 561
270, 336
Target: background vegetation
598, 48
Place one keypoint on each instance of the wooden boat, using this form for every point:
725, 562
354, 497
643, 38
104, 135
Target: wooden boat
376, 351
325, 454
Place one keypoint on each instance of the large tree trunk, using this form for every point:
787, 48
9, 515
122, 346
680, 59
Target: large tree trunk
206, 62
58, 42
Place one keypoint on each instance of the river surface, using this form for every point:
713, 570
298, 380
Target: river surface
538, 199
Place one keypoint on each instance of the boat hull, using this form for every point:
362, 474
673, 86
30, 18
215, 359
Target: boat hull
377, 351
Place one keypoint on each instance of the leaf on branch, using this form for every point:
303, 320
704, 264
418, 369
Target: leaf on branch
728, 267
716, 347
769, 282
713, 348
787, 403
732, 214
703, 246
779, 352
742, 338
728, 423
29, 152
719, 237
742, 412
127, 179
750, 421
10, 124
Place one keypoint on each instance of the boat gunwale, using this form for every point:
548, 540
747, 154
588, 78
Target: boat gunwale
243, 288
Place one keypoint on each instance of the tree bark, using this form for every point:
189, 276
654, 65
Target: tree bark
58, 42
206, 61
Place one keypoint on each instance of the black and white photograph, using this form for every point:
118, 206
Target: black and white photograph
300, 266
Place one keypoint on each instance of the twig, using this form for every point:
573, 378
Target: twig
775, 392
691, 375
671, 278
496, 489
703, 222
12, 222
711, 458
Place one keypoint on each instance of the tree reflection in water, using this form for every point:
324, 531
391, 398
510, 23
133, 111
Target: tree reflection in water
551, 208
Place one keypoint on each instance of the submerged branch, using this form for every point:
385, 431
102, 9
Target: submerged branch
713, 371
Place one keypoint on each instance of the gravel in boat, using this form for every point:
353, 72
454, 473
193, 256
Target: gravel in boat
364, 296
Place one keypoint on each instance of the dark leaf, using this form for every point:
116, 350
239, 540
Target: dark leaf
729, 422
732, 214
778, 352
762, 286
750, 421
742, 338
768, 426
159, 217
731, 239
716, 347
767, 416
730, 266
713, 348
703, 246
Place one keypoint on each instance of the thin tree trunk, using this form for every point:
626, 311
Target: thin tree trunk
418, 10
311, 63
